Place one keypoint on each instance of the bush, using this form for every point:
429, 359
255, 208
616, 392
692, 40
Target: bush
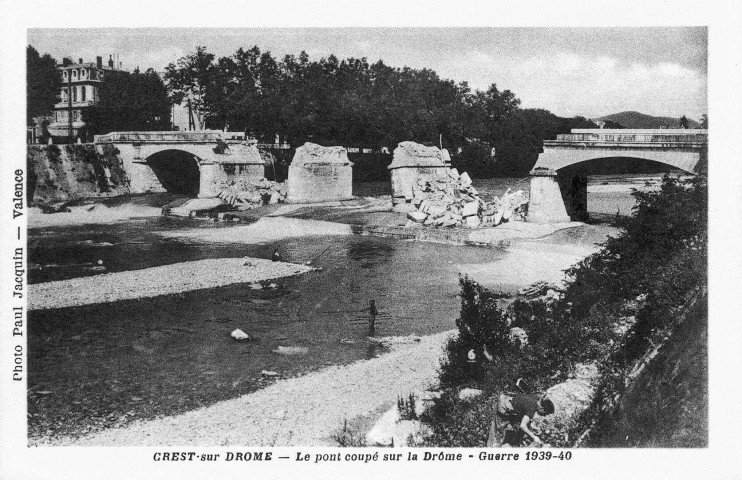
481, 325
406, 408
648, 272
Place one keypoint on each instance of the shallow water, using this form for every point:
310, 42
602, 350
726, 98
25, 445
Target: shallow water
173, 353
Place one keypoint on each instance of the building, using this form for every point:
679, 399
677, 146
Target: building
80, 84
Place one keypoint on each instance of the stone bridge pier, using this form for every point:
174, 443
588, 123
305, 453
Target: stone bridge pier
559, 177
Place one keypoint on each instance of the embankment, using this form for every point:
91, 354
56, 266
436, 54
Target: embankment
666, 405
60, 173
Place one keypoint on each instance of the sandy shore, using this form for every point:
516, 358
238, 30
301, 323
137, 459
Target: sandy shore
155, 281
266, 229
98, 213
303, 411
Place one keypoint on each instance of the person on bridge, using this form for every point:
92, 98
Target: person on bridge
513, 415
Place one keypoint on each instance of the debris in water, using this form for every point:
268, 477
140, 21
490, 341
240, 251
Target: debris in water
291, 350
449, 200
238, 334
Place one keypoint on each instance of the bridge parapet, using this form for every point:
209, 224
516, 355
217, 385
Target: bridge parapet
676, 137
202, 136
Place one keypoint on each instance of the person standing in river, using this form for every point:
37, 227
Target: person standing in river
372, 312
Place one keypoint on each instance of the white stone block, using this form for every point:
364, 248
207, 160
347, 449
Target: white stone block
470, 208
418, 217
464, 180
472, 222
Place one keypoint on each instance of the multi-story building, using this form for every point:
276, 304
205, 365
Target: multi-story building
80, 84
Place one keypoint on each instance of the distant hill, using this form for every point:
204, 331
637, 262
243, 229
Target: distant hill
640, 120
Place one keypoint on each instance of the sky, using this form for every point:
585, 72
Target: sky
591, 72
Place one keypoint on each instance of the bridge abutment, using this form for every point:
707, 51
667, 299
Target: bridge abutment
142, 179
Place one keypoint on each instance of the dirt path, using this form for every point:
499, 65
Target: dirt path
304, 411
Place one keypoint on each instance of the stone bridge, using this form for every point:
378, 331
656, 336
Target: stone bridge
183, 162
559, 177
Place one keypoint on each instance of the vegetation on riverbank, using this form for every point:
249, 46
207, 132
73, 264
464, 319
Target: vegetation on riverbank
619, 303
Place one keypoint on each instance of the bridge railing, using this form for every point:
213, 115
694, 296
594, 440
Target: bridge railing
165, 136
632, 138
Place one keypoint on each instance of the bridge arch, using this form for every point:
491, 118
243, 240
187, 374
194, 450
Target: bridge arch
177, 170
559, 177
557, 159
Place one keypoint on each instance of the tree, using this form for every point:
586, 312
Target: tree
129, 102
43, 84
684, 123
189, 79
704, 123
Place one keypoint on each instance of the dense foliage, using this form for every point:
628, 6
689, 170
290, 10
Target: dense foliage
42, 84
355, 103
129, 102
639, 279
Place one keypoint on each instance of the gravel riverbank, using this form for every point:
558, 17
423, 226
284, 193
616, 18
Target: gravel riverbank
303, 411
155, 281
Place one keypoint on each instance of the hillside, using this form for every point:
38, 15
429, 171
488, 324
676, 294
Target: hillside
640, 120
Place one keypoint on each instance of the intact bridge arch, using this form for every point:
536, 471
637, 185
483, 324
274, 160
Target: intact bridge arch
559, 177
177, 170
572, 179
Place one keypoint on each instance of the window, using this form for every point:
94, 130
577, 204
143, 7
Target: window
74, 94
82, 93
64, 75
76, 115
65, 98
74, 74
83, 73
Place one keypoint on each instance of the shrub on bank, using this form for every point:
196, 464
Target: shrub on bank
643, 275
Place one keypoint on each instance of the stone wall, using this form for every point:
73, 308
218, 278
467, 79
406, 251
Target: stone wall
58, 173
320, 174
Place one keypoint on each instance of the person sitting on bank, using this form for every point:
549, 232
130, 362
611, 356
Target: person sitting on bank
513, 417
276, 255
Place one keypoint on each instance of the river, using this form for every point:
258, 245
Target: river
110, 363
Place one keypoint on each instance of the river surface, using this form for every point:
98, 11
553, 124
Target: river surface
148, 357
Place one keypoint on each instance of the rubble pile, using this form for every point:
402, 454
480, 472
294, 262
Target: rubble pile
450, 200
246, 194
